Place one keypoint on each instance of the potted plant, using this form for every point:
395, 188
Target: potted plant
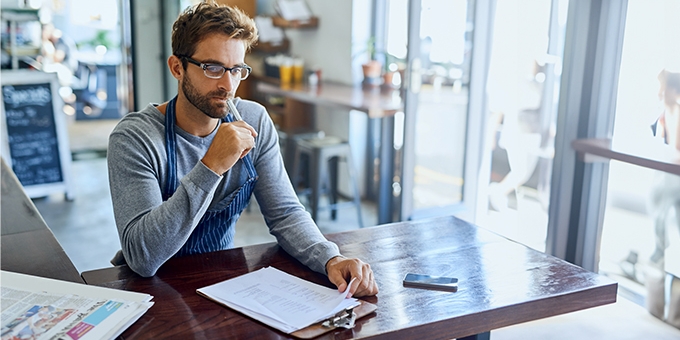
373, 67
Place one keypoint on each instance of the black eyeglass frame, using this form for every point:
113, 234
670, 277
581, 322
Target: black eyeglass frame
205, 66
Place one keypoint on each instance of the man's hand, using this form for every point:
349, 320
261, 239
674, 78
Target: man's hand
232, 142
341, 270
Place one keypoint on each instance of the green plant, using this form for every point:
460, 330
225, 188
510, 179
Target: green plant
371, 48
100, 38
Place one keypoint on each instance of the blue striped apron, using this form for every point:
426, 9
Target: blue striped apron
215, 231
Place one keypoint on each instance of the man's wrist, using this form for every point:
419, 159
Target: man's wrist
334, 259
209, 168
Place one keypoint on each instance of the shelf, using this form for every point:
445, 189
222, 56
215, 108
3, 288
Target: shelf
16, 17
23, 51
20, 14
312, 22
266, 47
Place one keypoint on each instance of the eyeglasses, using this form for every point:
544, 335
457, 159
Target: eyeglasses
215, 71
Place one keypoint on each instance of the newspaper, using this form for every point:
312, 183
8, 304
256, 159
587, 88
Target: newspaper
31, 314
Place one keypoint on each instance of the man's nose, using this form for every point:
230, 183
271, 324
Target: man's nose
228, 83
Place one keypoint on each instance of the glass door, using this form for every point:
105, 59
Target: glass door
437, 91
522, 90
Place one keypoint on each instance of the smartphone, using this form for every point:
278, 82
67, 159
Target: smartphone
431, 282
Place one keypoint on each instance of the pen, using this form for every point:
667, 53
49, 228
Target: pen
233, 110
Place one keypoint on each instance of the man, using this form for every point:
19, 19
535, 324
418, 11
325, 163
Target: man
182, 172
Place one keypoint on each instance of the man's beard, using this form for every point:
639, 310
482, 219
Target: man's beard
203, 102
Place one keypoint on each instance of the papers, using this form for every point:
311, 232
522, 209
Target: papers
293, 9
40, 308
278, 299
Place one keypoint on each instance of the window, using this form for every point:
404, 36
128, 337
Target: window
629, 239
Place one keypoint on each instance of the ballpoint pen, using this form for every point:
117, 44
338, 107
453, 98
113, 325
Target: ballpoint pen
233, 110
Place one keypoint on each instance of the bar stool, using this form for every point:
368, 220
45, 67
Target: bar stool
323, 154
287, 143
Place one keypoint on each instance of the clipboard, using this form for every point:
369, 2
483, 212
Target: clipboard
344, 319
236, 294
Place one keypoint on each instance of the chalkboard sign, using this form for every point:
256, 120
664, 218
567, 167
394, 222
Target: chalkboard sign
34, 133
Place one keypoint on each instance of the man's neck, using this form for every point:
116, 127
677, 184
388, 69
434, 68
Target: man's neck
191, 119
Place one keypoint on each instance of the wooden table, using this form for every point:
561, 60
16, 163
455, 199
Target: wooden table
501, 283
380, 106
375, 102
28, 245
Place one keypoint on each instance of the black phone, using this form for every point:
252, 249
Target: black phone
431, 282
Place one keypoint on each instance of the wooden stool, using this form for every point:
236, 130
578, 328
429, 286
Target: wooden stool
323, 152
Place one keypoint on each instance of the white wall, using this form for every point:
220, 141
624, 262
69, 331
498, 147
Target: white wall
335, 46
328, 47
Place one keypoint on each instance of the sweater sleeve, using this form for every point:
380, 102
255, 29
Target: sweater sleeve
151, 230
286, 218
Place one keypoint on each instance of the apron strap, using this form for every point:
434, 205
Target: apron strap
247, 160
170, 149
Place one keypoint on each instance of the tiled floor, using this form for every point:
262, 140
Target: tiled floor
86, 229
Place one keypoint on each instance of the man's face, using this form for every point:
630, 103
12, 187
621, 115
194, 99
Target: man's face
210, 95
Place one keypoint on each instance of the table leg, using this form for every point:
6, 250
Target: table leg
372, 156
385, 181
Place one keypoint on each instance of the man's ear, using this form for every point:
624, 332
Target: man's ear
175, 66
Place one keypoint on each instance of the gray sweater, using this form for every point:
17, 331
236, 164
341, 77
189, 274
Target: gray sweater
151, 231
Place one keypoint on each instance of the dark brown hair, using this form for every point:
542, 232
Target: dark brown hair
206, 18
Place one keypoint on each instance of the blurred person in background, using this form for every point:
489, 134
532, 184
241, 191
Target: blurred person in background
57, 54
662, 282
517, 115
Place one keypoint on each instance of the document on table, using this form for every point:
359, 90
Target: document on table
278, 299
